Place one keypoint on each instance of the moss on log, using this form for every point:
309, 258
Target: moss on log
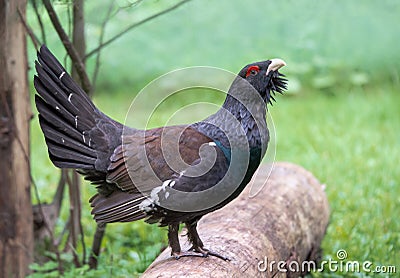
268, 235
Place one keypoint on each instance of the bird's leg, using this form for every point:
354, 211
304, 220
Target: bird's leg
197, 244
173, 240
193, 236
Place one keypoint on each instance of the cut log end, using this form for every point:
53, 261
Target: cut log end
282, 225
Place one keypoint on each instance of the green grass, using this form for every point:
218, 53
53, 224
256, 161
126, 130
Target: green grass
351, 142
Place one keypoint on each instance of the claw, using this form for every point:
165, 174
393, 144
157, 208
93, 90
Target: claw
179, 255
205, 253
198, 252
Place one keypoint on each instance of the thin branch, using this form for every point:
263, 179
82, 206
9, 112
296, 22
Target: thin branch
69, 16
132, 26
59, 195
74, 213
98, 237
69, 33
75, 179
39, 19
76, 59
31, 34
101, 39
67, 230
131, 4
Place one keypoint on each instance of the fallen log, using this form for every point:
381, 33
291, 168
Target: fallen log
276, 233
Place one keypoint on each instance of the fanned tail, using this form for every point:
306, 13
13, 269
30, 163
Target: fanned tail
77, 134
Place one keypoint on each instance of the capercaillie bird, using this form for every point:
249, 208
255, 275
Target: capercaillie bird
131, 168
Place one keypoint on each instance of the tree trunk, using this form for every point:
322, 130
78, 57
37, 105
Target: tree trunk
16, 224
269, 235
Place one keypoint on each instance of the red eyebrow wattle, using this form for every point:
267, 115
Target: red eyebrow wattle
257, 68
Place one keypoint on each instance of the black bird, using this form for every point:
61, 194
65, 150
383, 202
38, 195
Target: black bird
168, 175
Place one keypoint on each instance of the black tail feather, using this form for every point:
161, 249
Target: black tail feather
77, 134
49, 118
55, 96
53, 135
57, 72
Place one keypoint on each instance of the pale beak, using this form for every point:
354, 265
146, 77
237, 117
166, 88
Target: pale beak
275, 65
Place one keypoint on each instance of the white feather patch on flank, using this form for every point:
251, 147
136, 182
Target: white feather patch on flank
146, 205
62, 140
212, 144
181, 174
69, 97
166, 183
154, 197
61, 75
57, 108
154, 194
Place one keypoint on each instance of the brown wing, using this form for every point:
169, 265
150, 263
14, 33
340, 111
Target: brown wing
146, 160
140, 164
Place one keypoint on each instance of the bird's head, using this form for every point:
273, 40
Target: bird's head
265, 78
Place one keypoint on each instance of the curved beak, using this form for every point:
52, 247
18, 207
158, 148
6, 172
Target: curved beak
275, 65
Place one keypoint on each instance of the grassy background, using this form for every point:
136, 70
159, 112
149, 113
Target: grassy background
340, 118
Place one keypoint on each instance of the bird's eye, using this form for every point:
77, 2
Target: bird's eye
252, 70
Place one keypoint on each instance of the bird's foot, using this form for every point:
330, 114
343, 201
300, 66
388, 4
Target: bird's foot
205, 253
178, 255
198, 252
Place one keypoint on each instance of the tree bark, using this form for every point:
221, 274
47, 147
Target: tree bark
285, 223
16, 224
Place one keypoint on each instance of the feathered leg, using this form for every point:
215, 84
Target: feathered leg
176, 252
173, 240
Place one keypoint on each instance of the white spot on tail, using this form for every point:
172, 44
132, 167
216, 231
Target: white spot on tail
69, 97
62, 140
212, 144
76, 122
61, 75
90, 141
57, 108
